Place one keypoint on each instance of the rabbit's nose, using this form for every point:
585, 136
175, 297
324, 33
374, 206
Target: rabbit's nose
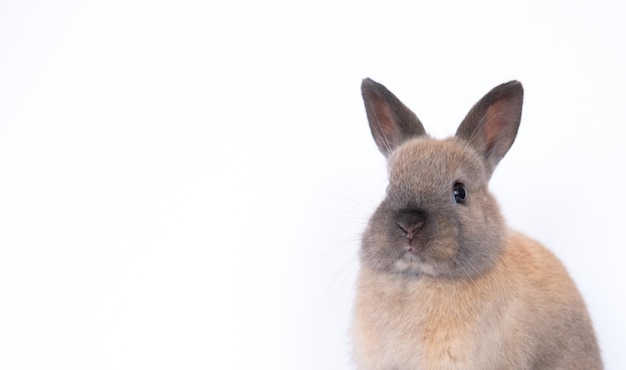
410, 221
411, 229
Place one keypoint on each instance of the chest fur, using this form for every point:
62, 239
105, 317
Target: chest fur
424, 326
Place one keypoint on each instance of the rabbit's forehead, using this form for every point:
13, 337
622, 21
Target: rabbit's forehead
431, 162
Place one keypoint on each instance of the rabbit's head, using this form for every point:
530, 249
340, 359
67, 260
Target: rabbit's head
438, 217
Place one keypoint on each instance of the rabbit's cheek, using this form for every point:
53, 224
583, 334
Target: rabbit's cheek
443, 250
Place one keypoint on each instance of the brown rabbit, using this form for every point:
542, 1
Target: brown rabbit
443, 283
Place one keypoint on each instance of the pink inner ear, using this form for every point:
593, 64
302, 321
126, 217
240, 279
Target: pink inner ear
495, 130
384, 118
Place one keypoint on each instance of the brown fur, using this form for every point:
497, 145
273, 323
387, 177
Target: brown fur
444, 284
525, 313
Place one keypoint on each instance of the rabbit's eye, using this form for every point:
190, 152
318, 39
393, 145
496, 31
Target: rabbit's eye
459, 192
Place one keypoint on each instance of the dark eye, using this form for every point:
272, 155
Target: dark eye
459, 192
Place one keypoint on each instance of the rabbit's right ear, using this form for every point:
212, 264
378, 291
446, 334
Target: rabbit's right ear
391, 122
491, 125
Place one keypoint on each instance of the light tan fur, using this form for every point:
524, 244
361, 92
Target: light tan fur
507, 318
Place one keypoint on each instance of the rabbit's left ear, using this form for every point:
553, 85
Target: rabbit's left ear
391, 122
491, 125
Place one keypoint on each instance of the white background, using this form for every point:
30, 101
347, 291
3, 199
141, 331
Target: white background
183, 184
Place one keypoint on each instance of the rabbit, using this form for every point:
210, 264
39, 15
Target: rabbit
442, 282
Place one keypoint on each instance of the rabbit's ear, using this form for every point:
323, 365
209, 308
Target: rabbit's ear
391, 122
491, 125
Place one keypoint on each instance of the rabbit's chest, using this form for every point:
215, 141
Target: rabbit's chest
424, 329
429, 337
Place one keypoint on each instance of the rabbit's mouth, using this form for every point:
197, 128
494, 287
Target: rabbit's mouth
410, 254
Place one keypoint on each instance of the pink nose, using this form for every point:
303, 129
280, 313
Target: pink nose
411, 229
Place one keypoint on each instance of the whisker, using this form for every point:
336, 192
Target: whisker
346, 271
346, 242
